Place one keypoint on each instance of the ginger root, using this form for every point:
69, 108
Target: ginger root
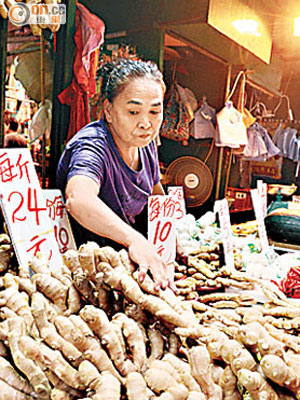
136, 387
256, 385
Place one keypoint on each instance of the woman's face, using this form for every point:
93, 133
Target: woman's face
136, 114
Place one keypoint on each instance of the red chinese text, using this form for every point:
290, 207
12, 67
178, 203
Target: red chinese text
10, 171
55, 207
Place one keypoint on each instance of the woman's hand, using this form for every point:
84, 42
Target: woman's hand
143, 253
93, 214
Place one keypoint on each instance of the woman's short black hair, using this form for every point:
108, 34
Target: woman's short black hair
13, 124
117, 74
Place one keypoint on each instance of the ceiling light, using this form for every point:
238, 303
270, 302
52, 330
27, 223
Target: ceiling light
297, 27
246, 26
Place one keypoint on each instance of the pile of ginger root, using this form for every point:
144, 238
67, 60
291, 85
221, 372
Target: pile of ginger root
91, 330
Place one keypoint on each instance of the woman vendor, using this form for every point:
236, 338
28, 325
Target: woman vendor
110, 167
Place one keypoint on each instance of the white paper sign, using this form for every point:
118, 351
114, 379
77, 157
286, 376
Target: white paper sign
221, 207
177, 194
24, 208
262, 191
161, 226
59, 218
258, 210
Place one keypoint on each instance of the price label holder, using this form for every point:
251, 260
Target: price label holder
59, 218
221, 207
24, 209
161, 226
259, 215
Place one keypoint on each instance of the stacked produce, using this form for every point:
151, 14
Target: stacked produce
5, 252
204, 269
92, 331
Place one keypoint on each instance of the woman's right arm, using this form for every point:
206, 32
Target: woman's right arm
91, 212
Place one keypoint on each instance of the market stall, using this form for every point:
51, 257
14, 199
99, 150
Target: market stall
91, 330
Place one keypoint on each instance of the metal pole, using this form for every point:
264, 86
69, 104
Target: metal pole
221, 150
3, 53
63, 65
42, 53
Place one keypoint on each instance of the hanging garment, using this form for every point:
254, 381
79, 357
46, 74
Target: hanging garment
203, 126
291, 145
277, 133
288, 136
297, 150
256, 147
231, 130
175, 125
279, 139
288, 142
272, 149
88, 37
260, 146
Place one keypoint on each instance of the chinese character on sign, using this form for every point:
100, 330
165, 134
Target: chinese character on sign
154, 208
24, 208
55, 207
10, 171
37, 246
177, 194
59, 218
161, 226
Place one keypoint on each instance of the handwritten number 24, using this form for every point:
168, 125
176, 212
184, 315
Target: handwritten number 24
32, 205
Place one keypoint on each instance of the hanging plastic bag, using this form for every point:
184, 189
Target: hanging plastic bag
175, 125
189, 100
203, 126
231, 130
248, 118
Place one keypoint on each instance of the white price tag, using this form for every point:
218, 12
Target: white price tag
24, 208
161, 226
221, 207
262, 191
59, 219
256, 200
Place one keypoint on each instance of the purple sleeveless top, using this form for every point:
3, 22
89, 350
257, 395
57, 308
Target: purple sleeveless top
92, 152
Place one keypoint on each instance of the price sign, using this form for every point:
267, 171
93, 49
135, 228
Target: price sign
258, 210
59, 218
262, 191
176, 192
24, 208
161, 226
221, 207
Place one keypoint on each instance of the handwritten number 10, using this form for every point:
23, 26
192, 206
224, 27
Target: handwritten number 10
164, 233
